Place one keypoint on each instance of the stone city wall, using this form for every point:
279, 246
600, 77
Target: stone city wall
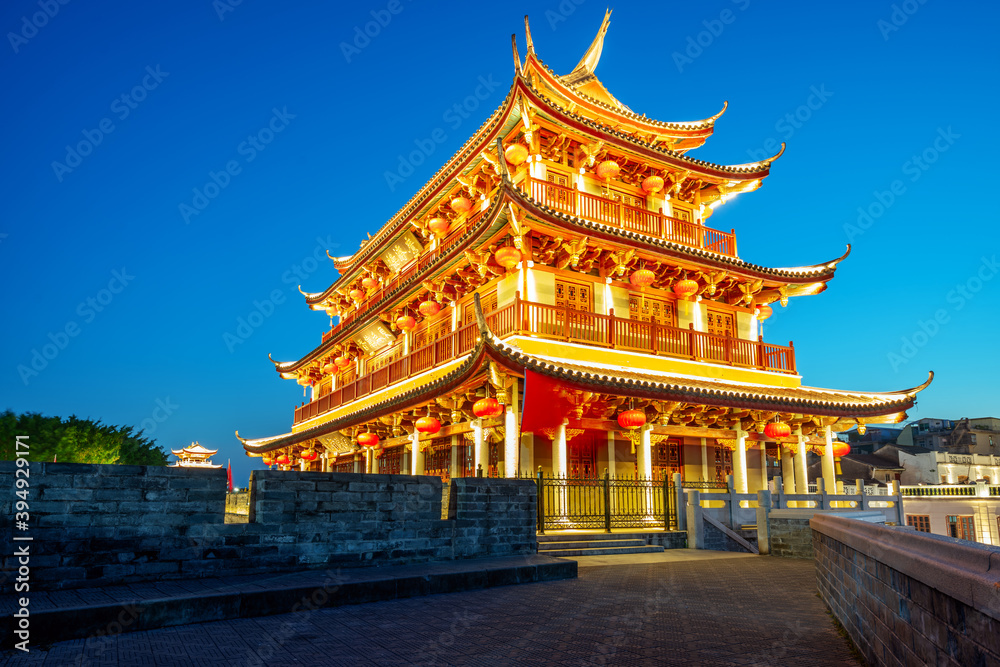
96, 525
909, 598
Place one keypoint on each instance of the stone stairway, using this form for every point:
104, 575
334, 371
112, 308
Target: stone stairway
595, 544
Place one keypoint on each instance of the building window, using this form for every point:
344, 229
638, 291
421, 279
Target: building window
921, 522
962, 527
666, 459
391, 461
582, 459
437, 459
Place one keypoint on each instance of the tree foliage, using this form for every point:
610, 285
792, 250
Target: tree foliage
75, 440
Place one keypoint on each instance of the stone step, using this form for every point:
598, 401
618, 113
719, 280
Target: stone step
603, 551
545, 547
590, 537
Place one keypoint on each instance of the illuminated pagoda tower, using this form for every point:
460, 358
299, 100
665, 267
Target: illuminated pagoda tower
194, 456
578, 230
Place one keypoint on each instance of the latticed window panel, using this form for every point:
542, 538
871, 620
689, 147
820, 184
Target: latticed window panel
667, 459
577, 296
641, 308
437, 459
721, 323
391, 461
962, 527
723, 463
921, 522
582, 459
344, 465
488, 301
432, 330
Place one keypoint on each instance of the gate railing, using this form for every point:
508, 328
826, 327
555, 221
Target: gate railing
605, 502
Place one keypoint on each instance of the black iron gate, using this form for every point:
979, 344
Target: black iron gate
605, 502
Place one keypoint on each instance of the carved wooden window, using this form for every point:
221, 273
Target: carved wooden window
682, 213
348, 375
391, 461
582, 458
578, 296
385, 356
437, 459
467, 459
667, 459
495, 457
432, 329
344, 465
629, 199
721, 322
561, 198
723, 463
641, 308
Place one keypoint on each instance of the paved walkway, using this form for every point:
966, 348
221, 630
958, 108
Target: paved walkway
676, 608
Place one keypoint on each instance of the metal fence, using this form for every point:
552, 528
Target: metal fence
605, 502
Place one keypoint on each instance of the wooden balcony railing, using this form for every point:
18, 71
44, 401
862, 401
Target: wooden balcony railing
543, 321
618, 214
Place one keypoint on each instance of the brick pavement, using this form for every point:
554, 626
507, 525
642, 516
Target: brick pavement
712, 611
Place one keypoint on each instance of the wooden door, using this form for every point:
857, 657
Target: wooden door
723, 463
579, 299
562, 196
582, 458
667, 459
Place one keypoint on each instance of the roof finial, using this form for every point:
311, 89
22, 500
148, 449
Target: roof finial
593, 55
527, 36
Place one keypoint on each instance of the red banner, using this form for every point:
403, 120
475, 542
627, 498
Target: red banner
544, 405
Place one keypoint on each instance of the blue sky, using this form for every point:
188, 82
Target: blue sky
887, 108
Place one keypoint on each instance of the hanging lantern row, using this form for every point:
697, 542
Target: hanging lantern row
267, 460
607, 170
368, 282
461, 205
282, 460
764, 311
328, 367
309, 454
429, 308
777, 430
632, 419
652, 184
357, 294
428, 425
508, 257
486, 408
516, 154
343, 361
406, 323
367, 439
685, 288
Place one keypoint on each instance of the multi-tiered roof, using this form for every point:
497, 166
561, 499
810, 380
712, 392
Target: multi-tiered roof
432, 250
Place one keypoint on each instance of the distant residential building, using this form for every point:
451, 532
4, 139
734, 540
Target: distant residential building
968, 512
960, 436
874, 437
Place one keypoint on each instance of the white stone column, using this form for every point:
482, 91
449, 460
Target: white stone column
611, 452
527, 460
740, 462
416, 456
511, 444
801, 467
644, 453
787, 470
481, 454
358, 458
559, 450
829, 471
763, 464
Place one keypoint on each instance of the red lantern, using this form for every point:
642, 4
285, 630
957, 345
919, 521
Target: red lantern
439, 226
358, 294
508, 257
429, 308
369, 282
332, 312
343, 361
841, 448
367, 439
777, 430
516, 154
327, 367
652, 184
486, 408
632, 419
428, 424
267, 460
303, 380
309, 455
685, 288
642, 278
763, 312
607, 170
406, 323
461, 205
282, 460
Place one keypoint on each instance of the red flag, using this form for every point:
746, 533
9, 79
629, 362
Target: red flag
545, 404
229, 474
54, 458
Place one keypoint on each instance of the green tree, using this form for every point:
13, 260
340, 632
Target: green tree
74, 440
